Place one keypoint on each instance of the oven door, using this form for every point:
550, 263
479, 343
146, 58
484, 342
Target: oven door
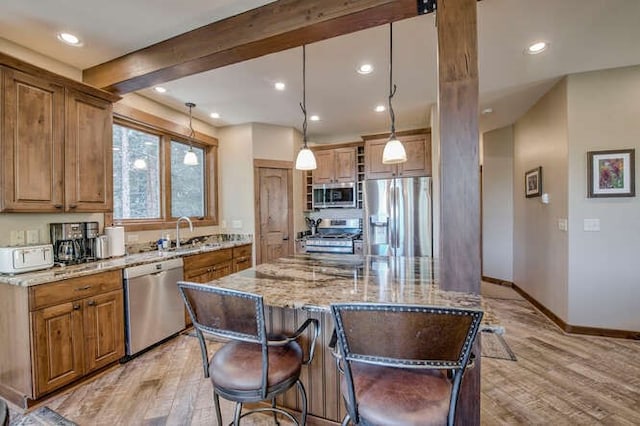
334, 195
319, 245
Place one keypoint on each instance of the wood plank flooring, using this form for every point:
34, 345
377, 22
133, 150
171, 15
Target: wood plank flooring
558, 380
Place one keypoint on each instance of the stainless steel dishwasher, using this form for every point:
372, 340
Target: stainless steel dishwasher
154, 309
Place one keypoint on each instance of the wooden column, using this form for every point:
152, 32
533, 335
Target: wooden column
459, 168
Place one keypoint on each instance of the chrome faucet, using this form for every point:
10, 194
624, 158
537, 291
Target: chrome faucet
181, 218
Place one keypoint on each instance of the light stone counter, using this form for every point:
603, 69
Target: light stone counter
313, 282
57, 273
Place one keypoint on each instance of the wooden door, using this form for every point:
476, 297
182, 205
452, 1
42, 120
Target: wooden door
103, 329
32, 141
57, 346
418, 162
373, 166
274, 215
324, 172
345, 164
88, 161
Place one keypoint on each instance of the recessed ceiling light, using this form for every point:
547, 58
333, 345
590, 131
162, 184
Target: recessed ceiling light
365, 69
380, 108
214, 115
487, 111
160, 89
314, 118
537, 47
70, 39
279, 85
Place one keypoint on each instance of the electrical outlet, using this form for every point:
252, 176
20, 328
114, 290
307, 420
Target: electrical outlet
33, 236
236, 223
591, 225
562, 224
223, 223
17, 238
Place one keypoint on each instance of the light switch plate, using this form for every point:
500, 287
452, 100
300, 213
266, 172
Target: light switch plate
562, 224
592, 225
17, 238
33, 236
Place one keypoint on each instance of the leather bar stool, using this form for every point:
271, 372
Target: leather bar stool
4, 413
252, 366
402, 365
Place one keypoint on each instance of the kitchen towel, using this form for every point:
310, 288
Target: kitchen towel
116, 240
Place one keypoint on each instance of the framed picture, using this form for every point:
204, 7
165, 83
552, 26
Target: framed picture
611, 173
533, 182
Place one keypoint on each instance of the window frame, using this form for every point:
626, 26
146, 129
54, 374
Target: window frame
168, 131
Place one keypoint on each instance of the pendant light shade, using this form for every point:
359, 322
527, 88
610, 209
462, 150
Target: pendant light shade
394, 152
140, 164
305, 160
190, 157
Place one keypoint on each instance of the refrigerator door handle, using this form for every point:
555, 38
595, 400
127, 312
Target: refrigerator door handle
393, 222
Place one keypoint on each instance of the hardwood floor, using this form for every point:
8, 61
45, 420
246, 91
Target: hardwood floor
558, 380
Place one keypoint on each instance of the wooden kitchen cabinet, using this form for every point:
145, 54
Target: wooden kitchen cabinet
77, 327
55, 139
335, 165
242, 258
418, 148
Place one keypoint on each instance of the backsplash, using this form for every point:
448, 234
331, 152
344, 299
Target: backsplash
147, 246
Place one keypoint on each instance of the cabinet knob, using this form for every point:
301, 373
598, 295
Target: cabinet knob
73, 206
91, 303
76, 307
58, 206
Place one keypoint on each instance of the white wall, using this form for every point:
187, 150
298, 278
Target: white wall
604, 271
235, 147
497, 204
35, 58
540, 252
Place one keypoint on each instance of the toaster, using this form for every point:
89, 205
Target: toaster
15, 260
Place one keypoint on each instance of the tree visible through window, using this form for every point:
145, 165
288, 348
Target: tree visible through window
187, 182
136, 174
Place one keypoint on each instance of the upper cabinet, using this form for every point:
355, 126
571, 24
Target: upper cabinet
335, 165
418, 148
55, 142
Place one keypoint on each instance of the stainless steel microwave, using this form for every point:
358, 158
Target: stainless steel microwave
334, 195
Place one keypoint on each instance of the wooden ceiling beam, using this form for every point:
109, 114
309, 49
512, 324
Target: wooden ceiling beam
275, 27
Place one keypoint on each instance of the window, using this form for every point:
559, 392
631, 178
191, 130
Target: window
151, 184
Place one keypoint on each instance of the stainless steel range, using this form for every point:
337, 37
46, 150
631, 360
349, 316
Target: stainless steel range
336, 236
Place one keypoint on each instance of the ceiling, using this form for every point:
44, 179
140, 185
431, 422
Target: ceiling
584, 35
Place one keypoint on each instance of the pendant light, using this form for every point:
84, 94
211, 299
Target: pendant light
394, 152
305, 160
190, 157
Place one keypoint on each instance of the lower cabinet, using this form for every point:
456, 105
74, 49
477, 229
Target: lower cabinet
209, 266
77, 327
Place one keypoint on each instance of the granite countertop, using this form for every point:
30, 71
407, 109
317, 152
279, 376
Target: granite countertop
315, 281
57, 273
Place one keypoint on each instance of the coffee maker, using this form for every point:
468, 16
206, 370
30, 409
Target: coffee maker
68, 241
89, 242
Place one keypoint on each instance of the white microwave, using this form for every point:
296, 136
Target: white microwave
334, 195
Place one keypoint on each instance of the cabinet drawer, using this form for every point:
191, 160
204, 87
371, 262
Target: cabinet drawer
73, 289
204, 260
242, 251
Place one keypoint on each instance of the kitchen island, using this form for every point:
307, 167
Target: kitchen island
303, 286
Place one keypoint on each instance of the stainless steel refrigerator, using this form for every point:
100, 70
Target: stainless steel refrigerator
398, 217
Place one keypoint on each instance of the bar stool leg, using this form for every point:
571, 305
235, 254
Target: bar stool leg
216, 403
236, 416
303, 397
275, 415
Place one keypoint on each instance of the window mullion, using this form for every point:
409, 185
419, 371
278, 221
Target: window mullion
166, 177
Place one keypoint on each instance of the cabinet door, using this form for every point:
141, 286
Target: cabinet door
103, 329
241, 263
418, 162
324, 173
32, 141
88, 155
373, 166
221, 270
345, 164
57, 346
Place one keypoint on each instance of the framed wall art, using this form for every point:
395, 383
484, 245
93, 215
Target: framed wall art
533, 182
611, 173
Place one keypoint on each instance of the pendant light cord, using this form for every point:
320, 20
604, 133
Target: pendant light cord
392, 87
191, 131
303, 105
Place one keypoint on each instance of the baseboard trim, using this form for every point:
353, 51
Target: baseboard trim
497, 281
576, 329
